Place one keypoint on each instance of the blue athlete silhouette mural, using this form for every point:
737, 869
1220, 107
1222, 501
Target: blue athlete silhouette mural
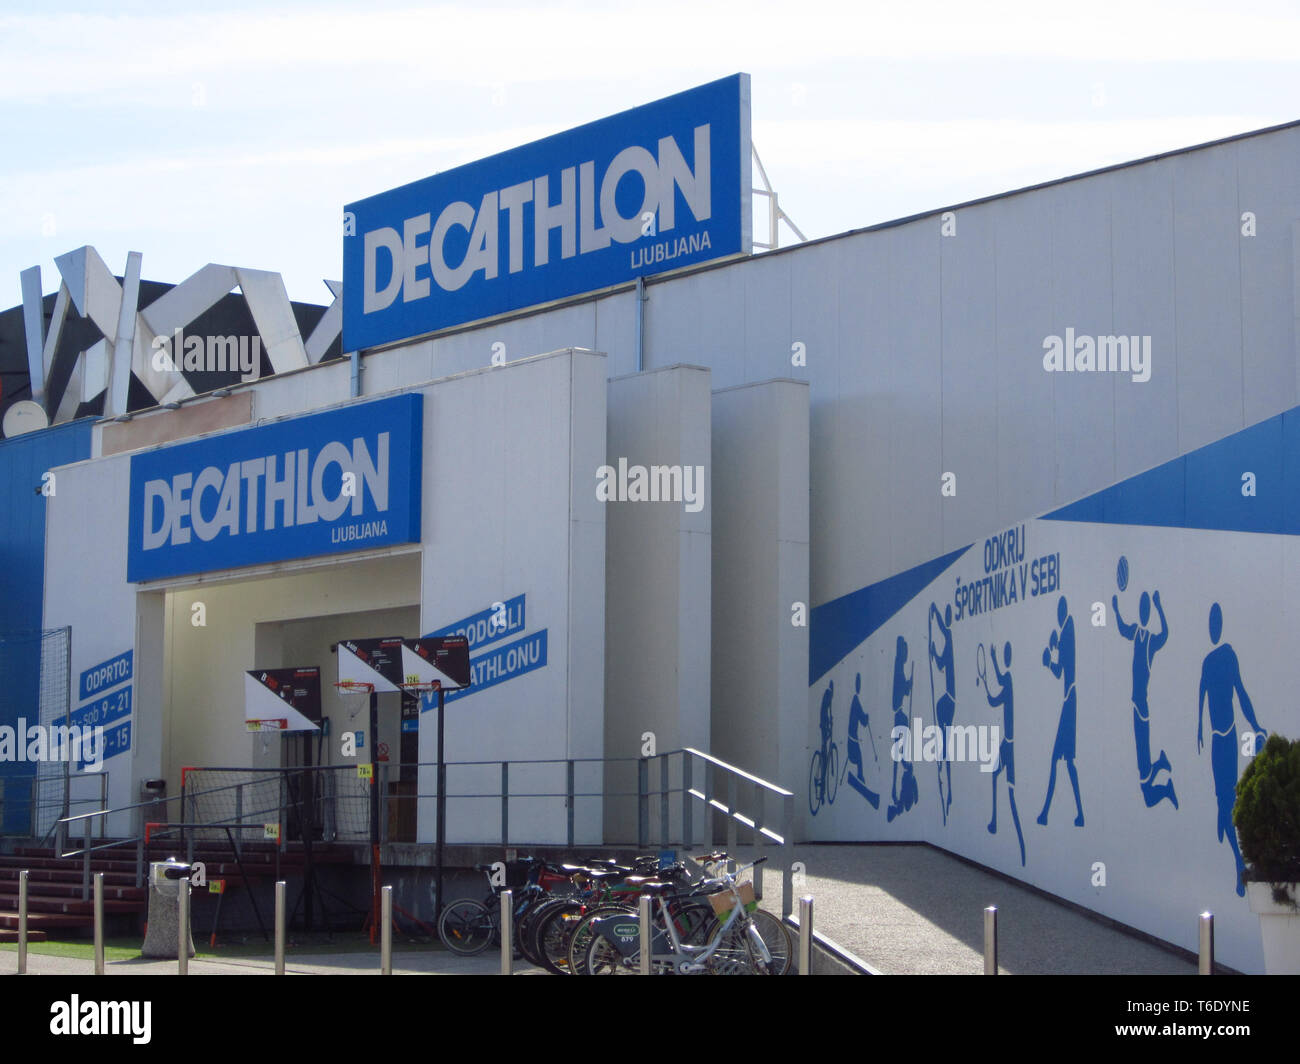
824, 772
1059, 657
1146, 644
945, 707
858, 718
902, 799
1006, 751
1220, 678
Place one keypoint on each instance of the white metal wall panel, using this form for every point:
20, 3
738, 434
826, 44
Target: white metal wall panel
1022, 263
767, 313
1142, 255
1207, 278
616, 332
920, 520
1267, 175
1083, 402
972, 418
760, 569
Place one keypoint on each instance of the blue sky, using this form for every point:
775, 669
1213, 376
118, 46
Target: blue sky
197, 134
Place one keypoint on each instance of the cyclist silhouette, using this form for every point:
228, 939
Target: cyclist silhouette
823, 772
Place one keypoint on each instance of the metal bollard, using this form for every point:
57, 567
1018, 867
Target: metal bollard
991, 940
806, 935
507, 932
279, 926
643, 912
1206, 964
99, 923
183, 926
22, 922
386, 935
85, 863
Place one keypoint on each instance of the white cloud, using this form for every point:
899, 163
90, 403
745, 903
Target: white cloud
49, 56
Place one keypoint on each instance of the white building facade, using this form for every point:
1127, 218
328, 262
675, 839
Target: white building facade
901, 451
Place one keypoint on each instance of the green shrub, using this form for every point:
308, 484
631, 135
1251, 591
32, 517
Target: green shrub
1267, 814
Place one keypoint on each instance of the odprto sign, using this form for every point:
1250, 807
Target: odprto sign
342, 480
652, 189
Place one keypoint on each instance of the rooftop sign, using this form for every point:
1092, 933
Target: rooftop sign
652, 189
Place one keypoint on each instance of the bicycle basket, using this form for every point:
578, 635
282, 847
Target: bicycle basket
722, 901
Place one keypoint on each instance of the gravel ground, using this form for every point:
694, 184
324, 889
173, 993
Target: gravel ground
912, 910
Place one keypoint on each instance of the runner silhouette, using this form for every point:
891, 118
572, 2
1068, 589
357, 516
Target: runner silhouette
1059, 657
1145, 646
1006, 751
1220, 677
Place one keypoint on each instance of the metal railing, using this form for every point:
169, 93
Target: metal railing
682, 798
48, 797
736, 798
69, 827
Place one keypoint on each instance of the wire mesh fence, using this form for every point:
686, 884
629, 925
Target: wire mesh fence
35, 692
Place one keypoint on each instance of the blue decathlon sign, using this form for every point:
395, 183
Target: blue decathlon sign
652, 189
497, 666
499, 620
343, 480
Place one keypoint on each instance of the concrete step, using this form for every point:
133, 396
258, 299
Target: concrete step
68, 906
12, 936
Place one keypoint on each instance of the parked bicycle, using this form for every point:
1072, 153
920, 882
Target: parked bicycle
733, 944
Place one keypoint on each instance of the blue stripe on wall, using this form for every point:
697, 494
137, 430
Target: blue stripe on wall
1205, 488
835, 628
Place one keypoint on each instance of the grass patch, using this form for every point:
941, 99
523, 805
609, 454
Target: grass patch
115, 949
249, 946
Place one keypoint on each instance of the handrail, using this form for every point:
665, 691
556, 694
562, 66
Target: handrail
719, 792
740, 772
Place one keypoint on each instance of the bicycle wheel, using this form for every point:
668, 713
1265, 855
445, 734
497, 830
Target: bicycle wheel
833, 774
733, 955
814, 779
603, 959
694, 921
467, 927
524, 943
776, 936
581, 936
551, 943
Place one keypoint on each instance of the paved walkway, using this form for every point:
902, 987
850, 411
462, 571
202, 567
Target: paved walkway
422, 962
905, 910
912, 910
